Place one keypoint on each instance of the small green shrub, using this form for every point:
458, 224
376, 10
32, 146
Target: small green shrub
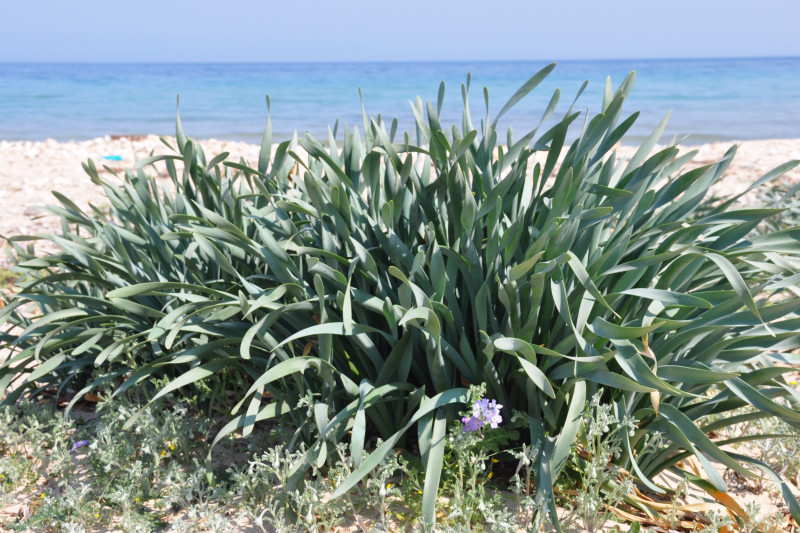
359, 288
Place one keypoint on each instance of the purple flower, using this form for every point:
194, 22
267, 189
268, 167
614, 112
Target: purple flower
472, 423
79, 444
492, 414
483, 412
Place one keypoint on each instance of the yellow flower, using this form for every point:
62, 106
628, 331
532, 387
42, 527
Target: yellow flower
171, 446
388, 485
419, 492
137, 499
43, 495
163, 452
495, 460
490, 475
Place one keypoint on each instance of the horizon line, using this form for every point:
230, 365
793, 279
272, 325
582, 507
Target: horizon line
368, 61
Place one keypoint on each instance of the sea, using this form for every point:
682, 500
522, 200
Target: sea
709, 99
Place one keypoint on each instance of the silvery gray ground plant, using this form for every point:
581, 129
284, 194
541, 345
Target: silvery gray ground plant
71, 508
195, 505
133, 476
778, 445
262, 486
602, 483
530, 513
674, 513
261, 483
195, 489
72, 527
755, 522
202, 519
718, 522
470, 451
467, 477
33, 439
382, 487
767, 439
380, 491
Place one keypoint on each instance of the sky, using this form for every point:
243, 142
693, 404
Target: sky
407, 30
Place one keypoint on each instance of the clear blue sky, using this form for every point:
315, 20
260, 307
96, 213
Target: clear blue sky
376, 30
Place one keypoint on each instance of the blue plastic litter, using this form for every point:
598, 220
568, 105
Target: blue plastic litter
112, 157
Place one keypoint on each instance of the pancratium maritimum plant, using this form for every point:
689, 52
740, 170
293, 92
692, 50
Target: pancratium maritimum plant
375, 273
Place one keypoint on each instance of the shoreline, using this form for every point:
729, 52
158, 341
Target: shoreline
30, 170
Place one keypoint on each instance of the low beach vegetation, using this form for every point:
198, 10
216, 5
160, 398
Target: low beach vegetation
452, 327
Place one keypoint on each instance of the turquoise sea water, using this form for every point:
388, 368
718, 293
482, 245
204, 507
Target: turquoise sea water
714, 99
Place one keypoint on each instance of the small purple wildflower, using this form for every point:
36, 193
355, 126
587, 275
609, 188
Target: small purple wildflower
483, 412
472, 423
79, 444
